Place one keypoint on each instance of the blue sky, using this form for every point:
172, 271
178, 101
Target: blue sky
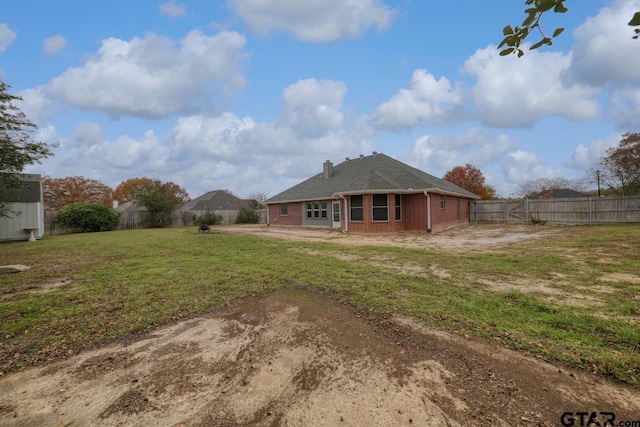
254, 95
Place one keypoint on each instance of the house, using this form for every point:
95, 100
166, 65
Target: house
221, 202
371, 194
26, 216
558, 193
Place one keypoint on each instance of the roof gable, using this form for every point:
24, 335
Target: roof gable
217, 200
368, 174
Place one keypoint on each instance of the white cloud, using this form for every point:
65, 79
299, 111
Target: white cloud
625, 107
522, 166
314, 20
51, 46
313, 107
205, 152
605, 51
517, 92
585, 156
437, 154
426, 101
173, 9
150, 77
7, 37
36, 105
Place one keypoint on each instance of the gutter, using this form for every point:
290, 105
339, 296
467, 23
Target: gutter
428, 196
346, 219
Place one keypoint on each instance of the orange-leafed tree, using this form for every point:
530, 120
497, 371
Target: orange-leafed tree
127, 190
471, 179
58, 192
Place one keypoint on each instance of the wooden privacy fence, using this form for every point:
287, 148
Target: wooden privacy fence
133, 220
127, 221
582, 210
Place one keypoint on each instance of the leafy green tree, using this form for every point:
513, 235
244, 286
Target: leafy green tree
160, 199
84, 217
247, 216
515, 36
17, 150
209, 218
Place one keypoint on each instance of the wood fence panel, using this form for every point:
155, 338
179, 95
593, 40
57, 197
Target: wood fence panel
583, 210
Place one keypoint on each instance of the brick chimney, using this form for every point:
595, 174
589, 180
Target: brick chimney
327, 169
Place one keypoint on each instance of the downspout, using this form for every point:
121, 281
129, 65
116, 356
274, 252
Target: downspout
428, 211
267, 215
346, 218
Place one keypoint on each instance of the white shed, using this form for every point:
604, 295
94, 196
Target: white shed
26, 219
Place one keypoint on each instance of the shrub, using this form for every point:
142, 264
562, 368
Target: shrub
84, 217
209, 218
247, 216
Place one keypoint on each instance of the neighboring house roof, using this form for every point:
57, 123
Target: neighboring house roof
215, 201
559, 193
367, 174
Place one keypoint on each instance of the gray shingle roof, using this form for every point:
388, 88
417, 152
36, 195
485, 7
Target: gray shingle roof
368, 174
215, 201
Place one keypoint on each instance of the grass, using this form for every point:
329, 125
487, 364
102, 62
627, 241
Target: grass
573, 298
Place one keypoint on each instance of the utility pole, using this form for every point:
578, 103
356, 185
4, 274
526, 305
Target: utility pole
598, 176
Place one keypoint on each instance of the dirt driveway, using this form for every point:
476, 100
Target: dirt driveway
301, 358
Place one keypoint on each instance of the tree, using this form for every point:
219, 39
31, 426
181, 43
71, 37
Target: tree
256, 200
160, 199
126, 190
540, 185
247, 216
58, 192
514, 37
17, 150
621, 165
471, 179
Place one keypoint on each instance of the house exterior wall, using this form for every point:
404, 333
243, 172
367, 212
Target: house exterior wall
413, 207
415, 212
319, 221
293, 217
368, 225
441, 219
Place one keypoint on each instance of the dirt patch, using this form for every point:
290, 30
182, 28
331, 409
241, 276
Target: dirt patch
301, 358
466, 237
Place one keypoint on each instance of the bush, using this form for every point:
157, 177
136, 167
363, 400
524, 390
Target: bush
209, 218
87, 217
247, 216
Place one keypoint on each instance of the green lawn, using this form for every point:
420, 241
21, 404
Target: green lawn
573, 298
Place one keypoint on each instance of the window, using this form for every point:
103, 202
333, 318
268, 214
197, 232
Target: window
323, 210
284, 209
458, 208
380, 207
356, 208
398, 207
317, 210
442, 200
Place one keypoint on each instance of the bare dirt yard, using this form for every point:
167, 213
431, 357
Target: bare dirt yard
464, 238
299, 357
